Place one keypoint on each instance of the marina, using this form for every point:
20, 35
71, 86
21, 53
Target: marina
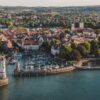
41, 64
42, 71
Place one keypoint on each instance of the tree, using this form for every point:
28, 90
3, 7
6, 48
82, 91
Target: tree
76, 55
97, 53
82, 50
99, 41
87, 45
97, 31
47, 45
68, 49
73, 45
94, 47
62, 35
68, 52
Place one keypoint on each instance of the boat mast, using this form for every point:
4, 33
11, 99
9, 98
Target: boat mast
18, 67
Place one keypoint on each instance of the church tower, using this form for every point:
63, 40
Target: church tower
82, 25
73, 27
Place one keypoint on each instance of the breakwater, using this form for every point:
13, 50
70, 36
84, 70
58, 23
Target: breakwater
43, 72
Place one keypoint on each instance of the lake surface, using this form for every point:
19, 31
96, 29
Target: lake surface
82, 85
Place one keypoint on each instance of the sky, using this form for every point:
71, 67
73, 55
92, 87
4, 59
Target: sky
34, 3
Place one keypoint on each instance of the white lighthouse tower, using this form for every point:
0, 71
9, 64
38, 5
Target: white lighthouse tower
3, 68
3, 76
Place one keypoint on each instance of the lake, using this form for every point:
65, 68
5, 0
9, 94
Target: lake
82, 85
78, 85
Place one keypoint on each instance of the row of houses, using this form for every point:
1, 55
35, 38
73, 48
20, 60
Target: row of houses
34, 38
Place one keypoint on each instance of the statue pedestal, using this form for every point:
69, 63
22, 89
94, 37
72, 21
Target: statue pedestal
3, 82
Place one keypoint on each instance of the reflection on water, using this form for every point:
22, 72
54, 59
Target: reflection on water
4, 93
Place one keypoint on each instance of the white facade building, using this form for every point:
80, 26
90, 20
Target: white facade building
82, 25
72, 27
31, 45
54, 51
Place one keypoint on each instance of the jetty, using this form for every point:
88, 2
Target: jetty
88, 68
30, 71
3, 76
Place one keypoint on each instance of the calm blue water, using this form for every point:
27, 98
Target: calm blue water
83, 85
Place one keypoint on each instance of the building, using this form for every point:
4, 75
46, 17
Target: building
77, 26
82, 25
55, 51
29, 43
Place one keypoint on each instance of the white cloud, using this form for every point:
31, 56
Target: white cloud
49, 2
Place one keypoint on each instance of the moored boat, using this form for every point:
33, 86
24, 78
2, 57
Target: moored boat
42, 71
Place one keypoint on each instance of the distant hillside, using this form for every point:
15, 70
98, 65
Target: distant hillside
51, 9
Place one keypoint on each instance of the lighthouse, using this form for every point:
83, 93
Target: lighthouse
3, 76
3, 68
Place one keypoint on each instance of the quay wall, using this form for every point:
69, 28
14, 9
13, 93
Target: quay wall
43, 73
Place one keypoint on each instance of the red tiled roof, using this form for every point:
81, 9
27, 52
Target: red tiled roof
29, 42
